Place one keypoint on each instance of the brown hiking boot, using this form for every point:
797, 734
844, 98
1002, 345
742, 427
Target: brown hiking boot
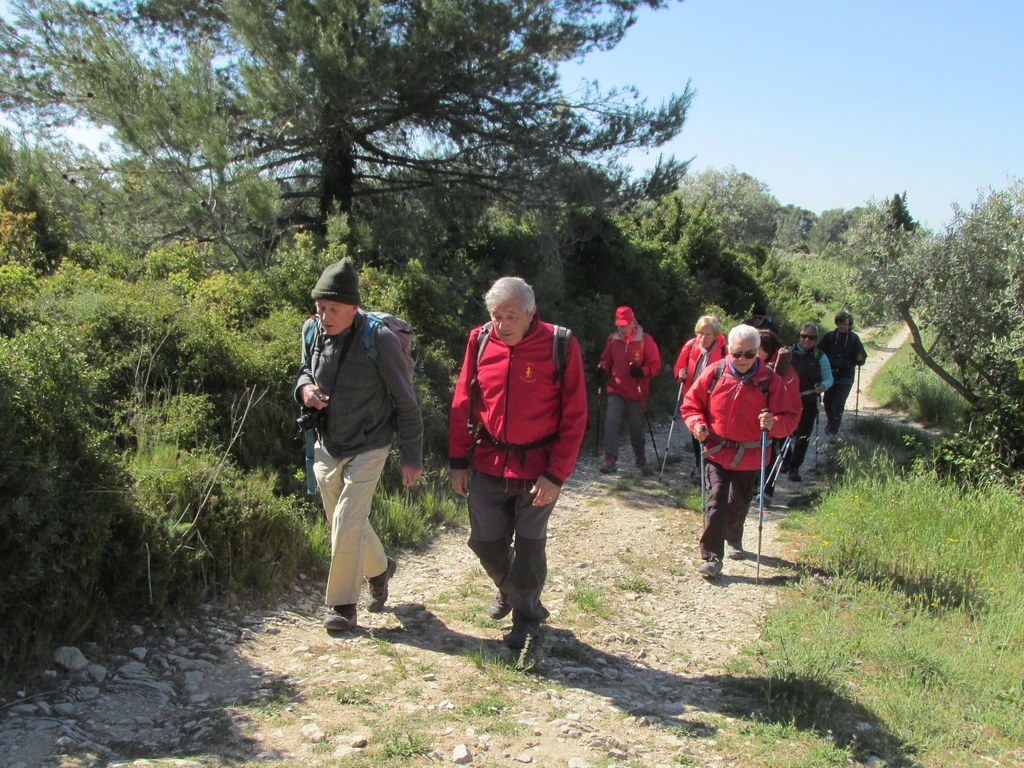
378, 586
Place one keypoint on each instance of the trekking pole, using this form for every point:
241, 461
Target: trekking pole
856, 401
650, 429
773, 474
817, 402
703, 489
671, 426
760, 504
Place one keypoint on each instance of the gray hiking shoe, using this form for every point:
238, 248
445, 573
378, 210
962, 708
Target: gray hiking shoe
340, 618
500, 607
378, 587
734, 550
710, 568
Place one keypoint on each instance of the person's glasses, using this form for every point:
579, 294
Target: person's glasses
808, 336
750, 354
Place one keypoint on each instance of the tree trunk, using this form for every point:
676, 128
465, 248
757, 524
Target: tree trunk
337, 174
917, 344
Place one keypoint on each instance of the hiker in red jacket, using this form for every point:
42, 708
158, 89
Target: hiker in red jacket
517, 420
629, 361
704, 349
726, 410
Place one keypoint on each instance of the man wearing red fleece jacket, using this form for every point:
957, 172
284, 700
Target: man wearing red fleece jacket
514, 433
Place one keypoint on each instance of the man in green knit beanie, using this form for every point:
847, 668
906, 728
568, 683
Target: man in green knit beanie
359, 401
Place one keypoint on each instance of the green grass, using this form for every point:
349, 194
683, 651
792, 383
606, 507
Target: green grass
590, 599
634, 584
905, 384
905, 637
409, 518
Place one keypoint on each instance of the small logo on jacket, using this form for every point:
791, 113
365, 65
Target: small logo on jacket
528, 375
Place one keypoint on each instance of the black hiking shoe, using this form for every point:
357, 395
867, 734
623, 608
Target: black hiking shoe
340, 618
378, 586
794, 475
524, 632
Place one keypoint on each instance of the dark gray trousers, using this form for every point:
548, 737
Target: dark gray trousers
729, 494
635, 418
509, 535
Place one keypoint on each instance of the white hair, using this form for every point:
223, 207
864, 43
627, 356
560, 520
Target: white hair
507, 289
742, 332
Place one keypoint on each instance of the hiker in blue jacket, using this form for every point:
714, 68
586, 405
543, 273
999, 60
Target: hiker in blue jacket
815, 378
357, 401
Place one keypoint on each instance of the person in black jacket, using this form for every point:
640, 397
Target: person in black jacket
846, 353
759, 318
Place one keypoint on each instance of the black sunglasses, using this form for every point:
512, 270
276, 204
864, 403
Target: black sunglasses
750, 354
807, 336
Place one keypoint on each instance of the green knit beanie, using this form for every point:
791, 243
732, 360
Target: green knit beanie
339, 282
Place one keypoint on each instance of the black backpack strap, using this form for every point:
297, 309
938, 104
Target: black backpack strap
560, 350
719, 370
481, 342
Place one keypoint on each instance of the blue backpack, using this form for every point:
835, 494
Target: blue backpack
373, 321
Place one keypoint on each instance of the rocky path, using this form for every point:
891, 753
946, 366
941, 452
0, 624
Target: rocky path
632, 670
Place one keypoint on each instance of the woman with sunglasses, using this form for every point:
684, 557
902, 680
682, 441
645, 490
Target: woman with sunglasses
815, 372
727, 409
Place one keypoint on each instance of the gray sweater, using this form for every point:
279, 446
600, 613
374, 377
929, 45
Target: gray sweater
368, 401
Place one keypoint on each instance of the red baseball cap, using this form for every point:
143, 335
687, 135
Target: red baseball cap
624, 316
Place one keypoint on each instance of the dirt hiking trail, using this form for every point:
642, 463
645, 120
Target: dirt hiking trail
631, 669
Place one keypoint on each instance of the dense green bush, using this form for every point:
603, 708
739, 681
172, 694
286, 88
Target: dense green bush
209, 528
63, 506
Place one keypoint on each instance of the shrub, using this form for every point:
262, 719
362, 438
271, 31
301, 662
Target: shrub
62, 518
209, 528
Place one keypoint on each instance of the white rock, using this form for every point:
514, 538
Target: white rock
578, 762
70, 658
139, 652
461, 755
313, 732
523, 758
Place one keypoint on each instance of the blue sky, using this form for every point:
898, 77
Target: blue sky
832, 103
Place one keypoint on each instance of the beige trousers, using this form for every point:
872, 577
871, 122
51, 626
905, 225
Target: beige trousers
346, 487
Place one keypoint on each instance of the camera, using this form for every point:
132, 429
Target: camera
311, 418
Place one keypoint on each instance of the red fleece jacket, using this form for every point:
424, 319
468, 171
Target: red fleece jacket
519, 402
732, 408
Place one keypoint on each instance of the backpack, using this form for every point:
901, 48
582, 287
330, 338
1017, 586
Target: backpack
559, 352
559, 347
373, 321
402, 330
720, 369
